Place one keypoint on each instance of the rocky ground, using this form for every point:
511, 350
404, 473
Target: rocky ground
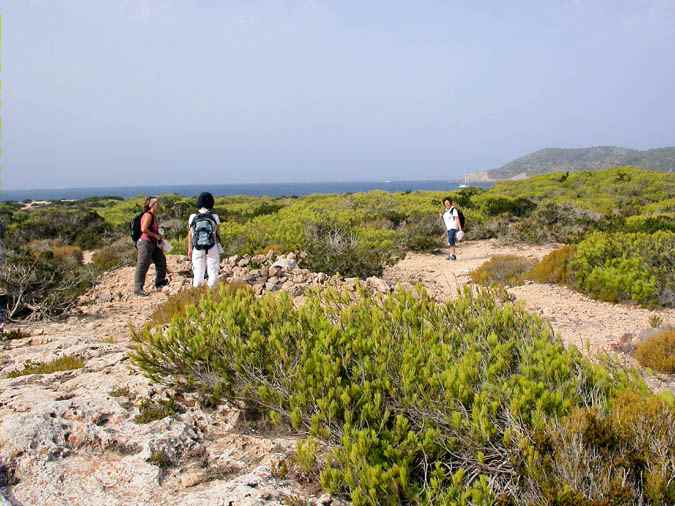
70, 438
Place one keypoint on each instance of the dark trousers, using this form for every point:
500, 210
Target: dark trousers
149, 253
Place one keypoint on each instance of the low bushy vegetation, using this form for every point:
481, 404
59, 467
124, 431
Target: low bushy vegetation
615, 267
360, 234
636, 267
658, 352
150, 410
178, 304
64, 363
71, 225
506, 270
42, 284
554, 267
334, 249
119, 253
624, 189
469, 402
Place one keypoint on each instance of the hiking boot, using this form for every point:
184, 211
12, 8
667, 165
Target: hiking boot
161, 284
140, 293
452, 257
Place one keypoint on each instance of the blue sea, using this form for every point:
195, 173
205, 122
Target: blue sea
257, 189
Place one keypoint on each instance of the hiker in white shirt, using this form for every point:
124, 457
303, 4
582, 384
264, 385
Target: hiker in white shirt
203, 242
452, 223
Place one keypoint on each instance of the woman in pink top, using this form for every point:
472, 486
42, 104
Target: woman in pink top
149, 250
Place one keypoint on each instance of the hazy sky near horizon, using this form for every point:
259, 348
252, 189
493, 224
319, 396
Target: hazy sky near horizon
131, 92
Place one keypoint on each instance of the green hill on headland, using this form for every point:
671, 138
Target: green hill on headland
593, 158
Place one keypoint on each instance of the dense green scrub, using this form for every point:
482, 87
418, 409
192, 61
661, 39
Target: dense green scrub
554, 206
638, 267
360, 234
469, 402
615, 267
44, 282
551, 207
43, 274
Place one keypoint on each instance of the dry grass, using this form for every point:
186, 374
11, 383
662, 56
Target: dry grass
554, 267
658, 352
149, 410
120, 392
9, 335
65, 363
160, 459
508, 270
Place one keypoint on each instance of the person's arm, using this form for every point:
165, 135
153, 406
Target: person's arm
217, 220
189, 243
189, 238
146, 221
455, 213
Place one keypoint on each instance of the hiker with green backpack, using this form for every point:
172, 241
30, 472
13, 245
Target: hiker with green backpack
203, 242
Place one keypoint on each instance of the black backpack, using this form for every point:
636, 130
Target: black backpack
135, 228
460, 215
203, 231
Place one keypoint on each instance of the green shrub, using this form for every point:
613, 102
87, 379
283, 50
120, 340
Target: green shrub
337, 249
76, 226
552, 222
599, 191
65, 363
120, 253
627, 267
554, 267
509, 270
179, 303
620, 454
42, 284
658, 352
466, 197
305, 458
418, 401
539, 209
493, 205
651, 223
422, 233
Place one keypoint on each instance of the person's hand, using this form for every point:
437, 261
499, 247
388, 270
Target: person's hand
189, 254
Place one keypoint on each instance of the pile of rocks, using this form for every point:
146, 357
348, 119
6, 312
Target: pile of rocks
270, 273
264, 273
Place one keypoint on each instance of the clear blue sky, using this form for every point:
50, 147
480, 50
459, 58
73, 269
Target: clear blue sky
127, 92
